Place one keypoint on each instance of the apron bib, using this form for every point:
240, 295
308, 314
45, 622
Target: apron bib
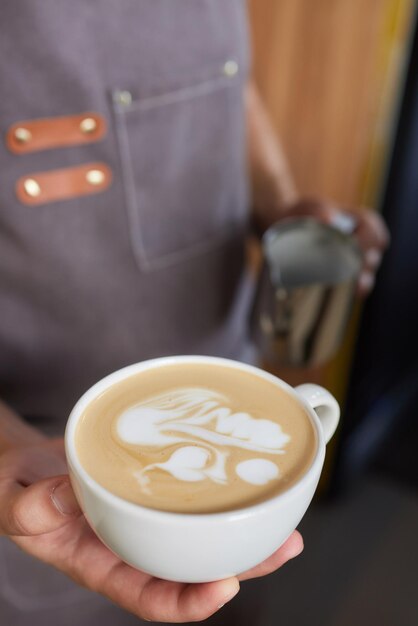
144, 256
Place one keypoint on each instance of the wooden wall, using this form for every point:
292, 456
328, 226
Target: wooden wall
328, 71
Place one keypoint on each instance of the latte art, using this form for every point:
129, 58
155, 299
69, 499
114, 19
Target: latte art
201, 417
195, 438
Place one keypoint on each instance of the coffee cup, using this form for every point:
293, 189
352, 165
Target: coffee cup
195, 468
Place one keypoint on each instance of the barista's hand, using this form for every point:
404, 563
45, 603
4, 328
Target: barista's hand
39, 512
370, 230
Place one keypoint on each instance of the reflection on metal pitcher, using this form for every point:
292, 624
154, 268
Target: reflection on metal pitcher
305, 293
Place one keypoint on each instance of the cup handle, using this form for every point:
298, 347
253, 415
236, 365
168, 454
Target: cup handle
324, 404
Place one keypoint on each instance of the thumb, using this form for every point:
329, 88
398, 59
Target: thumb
40, 508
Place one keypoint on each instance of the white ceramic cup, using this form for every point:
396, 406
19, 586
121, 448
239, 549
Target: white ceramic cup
199, 547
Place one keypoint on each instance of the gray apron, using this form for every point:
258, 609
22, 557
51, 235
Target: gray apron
154, 265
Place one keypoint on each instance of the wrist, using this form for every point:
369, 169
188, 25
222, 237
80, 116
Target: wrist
273, 199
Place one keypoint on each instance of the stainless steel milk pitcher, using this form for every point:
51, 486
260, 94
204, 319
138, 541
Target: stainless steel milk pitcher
305, 292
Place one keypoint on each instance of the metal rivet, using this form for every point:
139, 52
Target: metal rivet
230, 68
88, 125
123, 97
32, 188
23, 135
95, 177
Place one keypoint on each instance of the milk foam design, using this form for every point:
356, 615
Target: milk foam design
202, 421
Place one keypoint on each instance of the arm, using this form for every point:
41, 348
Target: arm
273, 187
276, 197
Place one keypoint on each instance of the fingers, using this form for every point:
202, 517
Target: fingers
289, 550
371, 231
155, 599
366, 283
40, 508
373, 237
166, 601
201, 601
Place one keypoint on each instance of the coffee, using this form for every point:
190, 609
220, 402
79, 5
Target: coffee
195, 438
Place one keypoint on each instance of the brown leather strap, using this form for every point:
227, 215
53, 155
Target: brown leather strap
63, 184
55, 132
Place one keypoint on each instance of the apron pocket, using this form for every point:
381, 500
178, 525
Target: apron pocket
183, 158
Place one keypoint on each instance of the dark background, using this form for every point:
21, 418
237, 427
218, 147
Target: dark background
380, 423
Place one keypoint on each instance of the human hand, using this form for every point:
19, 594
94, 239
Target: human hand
39, 512
370, 231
